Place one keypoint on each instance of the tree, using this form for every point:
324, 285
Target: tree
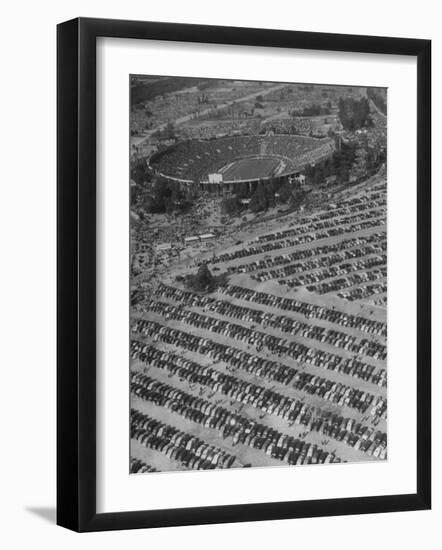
169, 131
260, 199
285, 192
242, 190
231, 206
202, 281
319, 174
297, 197
353, 113
139, 171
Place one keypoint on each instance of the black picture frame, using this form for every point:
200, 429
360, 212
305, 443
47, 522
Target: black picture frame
77, 287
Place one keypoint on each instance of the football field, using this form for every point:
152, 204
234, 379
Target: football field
250, 168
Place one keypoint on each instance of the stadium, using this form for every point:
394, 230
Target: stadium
218, 164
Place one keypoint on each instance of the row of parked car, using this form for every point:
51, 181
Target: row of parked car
238, 359
267, 400
243, 430
310, 311
277, 261
322, 261
338, 339
296, 241
258, 340
137, 466
340, 270
257, 435
364, 291
179, 446
345, 282
322, 224
345, 208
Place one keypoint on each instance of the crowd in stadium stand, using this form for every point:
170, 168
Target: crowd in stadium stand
295, 147
191, 159
269, 402
194, 159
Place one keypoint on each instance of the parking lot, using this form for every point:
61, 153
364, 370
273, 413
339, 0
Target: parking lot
285, 364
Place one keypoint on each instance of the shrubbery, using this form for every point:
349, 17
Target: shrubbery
354, 113
338, 165
165, 197
231, 206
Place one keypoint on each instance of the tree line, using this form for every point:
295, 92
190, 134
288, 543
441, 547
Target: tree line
339, 165
267, 194
341, 162
203, 280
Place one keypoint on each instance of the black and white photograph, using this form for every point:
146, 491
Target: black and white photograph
222, 244
258, 274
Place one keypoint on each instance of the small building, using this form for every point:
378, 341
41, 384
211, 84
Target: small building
215, 178
191, 240
167, 141
207, 236
162, 247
